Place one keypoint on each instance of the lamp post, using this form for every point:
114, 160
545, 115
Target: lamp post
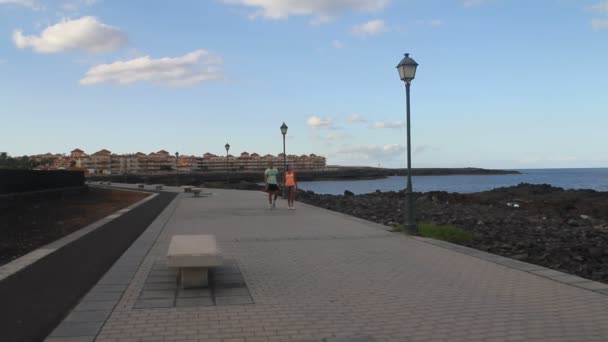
227, 146
284, 132
176, 169
407, 72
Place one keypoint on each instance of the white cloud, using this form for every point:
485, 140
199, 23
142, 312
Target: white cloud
369, 28
337, 44
320, 123
386, 124
469, 3
322, 10
2, 61
356, 118
374, 152
599, 23
599, 7
26, 3
85, 33
191, 68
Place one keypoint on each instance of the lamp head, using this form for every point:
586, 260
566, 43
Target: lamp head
407, 68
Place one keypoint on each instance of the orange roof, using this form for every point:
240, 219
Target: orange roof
103, 152
77, 150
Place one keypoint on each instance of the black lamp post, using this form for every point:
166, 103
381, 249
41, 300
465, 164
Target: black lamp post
407, 72
176, 169
284, 132
227, 146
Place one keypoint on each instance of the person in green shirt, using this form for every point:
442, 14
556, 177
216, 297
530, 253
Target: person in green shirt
272, 185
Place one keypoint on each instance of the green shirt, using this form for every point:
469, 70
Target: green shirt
271, 175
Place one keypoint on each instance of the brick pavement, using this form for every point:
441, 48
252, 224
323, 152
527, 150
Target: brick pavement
314, 274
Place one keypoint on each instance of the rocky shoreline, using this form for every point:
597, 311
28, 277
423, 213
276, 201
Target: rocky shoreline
566, 230
331, 173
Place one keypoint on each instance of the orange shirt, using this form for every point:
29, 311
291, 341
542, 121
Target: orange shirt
290, 178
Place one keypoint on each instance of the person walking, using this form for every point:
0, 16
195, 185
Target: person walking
272, 186
291, 186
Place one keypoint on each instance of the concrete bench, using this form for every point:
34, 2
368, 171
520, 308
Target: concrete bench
197, 192
158, 186
193, 255
187, 188
140, 186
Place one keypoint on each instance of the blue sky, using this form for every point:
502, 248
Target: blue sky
501, 83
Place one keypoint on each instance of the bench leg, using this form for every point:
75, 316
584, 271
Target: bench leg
193, 277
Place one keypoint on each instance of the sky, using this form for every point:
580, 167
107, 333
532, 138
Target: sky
500, 83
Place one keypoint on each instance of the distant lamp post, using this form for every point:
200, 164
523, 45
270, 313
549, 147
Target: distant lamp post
284, 132
176, 169
227, 146
407, 72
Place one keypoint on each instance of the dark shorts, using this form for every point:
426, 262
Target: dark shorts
273, 187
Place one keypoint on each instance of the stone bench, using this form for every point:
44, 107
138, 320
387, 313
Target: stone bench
158, 186
187, 188
140, 186
193, 255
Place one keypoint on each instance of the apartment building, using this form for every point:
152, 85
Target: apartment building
105, 162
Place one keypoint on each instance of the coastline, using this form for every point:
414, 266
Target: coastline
329, 174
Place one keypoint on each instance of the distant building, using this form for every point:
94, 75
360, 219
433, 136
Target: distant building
105, 162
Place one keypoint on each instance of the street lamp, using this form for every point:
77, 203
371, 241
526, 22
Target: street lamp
407, 72
284, 132
176, 169
227, 146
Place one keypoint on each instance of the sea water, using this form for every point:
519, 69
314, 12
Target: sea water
596, 179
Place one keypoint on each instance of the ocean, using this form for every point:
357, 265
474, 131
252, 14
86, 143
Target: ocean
596, 179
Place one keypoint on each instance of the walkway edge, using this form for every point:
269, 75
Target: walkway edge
541, 271
560, 277
24, 261
107, 293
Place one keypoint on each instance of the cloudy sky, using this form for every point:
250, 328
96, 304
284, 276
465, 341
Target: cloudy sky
501, 83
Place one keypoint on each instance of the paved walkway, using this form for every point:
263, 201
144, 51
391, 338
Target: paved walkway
316, 275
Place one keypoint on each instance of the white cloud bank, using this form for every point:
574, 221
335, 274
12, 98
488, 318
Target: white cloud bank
322, 10
387, 124
320, 123
85, 33
370, 28
374, 152
192, 68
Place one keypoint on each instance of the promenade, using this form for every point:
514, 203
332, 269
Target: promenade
315, 275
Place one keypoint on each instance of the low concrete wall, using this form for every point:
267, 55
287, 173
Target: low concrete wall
16, 181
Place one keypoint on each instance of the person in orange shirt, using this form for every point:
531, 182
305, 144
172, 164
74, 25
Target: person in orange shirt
291, 185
